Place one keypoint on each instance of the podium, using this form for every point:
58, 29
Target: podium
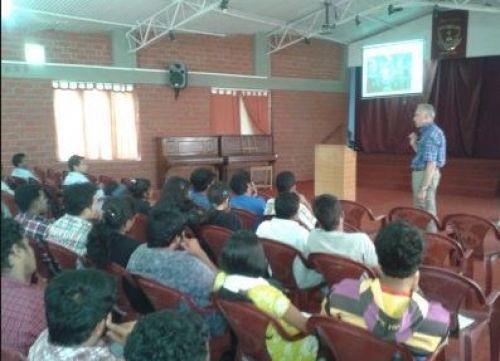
335, 171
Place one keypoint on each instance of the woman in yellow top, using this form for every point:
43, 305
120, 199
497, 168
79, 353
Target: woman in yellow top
244, 266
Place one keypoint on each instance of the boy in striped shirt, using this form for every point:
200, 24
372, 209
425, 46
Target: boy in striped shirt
392, 306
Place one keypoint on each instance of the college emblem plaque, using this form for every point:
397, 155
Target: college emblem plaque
449, 34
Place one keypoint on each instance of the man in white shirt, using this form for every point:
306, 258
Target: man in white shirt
21, 170
77, 169
285, 182
331, 238
285, 228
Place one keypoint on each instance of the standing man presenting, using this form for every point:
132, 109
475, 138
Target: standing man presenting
430, 148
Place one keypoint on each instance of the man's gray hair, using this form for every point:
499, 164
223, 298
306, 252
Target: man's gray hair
427, 109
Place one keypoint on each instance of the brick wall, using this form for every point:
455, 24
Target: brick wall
231, 54
60, 47
318, 60
300, 119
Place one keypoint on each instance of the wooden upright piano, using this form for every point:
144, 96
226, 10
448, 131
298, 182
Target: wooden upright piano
187, 151
245, 150
221, 152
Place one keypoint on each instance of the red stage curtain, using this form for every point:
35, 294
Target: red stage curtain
465, 93
224, 112
257, 106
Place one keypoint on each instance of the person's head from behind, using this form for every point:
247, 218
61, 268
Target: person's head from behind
79, 199
168, 335
76, 163
287, 205
243, 255
201, 178
175, 190
218, 195
328, 211
400, 250
285, 182
18, 258
240, 182
424, 114
118, 213
31, 198
18, 160
165, 227
77, 304
139, 188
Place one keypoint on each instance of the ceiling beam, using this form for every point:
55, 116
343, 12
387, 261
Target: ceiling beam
172, 17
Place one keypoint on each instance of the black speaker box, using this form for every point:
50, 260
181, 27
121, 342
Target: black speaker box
177, 75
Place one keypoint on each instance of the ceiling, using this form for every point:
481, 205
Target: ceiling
299, 18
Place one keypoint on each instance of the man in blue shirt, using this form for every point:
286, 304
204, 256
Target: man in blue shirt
245, 194
201, 179
430, 148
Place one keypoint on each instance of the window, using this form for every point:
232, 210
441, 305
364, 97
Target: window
97, 124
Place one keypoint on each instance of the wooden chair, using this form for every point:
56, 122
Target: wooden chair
139, 229
248, 219
164, 297
445, 252
479, 235
66, 258
459, 294
335, 268
415, 216
9, 354
495, 325
55, 177
355, 214
8, 200
250, 326
351, 343
281, 258
214, 237
40, 173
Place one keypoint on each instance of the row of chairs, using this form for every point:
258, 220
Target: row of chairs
474, 233
457, 293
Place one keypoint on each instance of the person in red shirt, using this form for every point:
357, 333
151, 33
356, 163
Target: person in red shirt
23, 308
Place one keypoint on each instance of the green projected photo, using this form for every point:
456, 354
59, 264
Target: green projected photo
392, 69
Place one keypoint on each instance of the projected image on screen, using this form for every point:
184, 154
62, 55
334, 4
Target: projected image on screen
393, 69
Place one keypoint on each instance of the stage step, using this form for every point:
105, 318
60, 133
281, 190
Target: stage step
460, 176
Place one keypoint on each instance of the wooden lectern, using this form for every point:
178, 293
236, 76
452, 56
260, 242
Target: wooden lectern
335, 171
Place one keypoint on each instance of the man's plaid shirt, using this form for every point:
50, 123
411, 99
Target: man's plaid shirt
70, 232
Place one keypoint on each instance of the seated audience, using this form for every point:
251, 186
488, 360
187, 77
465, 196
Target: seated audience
331, 238
172, 259
245, 194
285, 228
244, 268
392, 306
5, 187
114, 189
71, 230
140, 189
285, 182
107, 241
78, 308
77, 171
32, 204
168, 335
175, 194
23, 317
201, 178
21, 170
220, 214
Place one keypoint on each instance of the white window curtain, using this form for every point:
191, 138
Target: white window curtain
97, 124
